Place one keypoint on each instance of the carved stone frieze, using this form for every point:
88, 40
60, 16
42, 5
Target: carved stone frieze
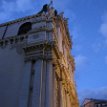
38, 51
13, 41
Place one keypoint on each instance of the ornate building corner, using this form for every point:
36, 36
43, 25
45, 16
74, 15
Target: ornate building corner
39, 67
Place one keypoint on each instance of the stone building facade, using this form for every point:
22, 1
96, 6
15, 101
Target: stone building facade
90, 102
36, 65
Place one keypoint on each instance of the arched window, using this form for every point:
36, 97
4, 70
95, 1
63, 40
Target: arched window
24, 28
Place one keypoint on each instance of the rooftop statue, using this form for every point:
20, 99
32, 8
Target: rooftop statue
48, 8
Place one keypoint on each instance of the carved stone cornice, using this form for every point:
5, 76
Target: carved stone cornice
41, 50
13, 40
21, 38
19, 20
38, 17
43, 28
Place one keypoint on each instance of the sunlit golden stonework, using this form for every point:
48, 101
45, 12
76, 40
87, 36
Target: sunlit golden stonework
36, 64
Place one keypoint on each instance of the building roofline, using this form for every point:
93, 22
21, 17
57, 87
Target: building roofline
20, 19
95, 100
24, 18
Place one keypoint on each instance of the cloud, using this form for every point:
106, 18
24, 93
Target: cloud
98, 45
16, 6
81, 61
106, 59
98, 93
24, 5
10, 9
4, 16
103, 27
65, 5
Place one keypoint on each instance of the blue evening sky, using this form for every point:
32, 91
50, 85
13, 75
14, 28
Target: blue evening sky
88, 27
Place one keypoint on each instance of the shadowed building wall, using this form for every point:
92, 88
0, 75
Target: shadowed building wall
36, 67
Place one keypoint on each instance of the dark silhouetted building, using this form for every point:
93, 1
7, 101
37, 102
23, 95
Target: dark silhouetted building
94, 103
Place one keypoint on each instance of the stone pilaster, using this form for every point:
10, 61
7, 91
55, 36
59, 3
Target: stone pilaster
49, 85
37, 86
24, 92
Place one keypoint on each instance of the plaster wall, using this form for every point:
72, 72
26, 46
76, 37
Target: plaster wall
12, 30
11, 71
2, 30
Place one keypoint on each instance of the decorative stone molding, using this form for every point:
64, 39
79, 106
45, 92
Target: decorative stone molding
41, 50
13, 40
21, 38
42, 28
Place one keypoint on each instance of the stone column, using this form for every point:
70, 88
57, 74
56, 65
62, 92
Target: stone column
24, 93
49, 85
68, 101
43, 93
61, 96
60, 88
38, 83
54, 86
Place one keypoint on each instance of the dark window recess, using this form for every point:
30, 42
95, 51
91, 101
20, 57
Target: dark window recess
24, 28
